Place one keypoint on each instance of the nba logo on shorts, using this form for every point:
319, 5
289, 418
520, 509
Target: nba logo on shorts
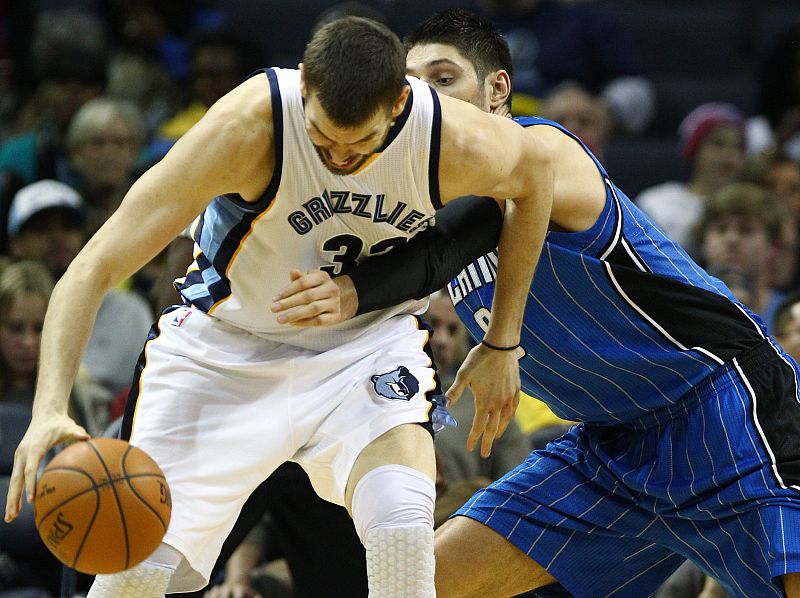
398, 384
180, 317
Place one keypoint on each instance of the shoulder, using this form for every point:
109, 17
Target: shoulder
476, 144
248, 105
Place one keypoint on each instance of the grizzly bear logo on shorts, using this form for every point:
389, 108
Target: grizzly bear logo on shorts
397, 384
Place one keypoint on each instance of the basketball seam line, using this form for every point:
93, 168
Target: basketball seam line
74, 496
88, 530
116, 498
95, 487
139, 496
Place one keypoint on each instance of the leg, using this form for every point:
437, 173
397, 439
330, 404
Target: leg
391, 494
474, 560
791, 585
148, 579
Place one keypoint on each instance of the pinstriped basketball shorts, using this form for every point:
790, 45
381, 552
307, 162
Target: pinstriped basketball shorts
614, 510
219, 409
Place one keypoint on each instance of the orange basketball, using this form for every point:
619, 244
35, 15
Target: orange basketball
102, 506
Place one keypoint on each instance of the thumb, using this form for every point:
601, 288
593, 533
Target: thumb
294, 275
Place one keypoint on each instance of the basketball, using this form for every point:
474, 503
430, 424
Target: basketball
102, 506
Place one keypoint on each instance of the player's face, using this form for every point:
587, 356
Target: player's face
344, 150
444, 68
20, 335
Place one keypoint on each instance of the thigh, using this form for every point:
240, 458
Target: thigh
472, 560
377, 383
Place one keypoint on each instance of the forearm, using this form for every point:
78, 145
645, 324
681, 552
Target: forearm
466, 229
242, 562
521, 241
68, 325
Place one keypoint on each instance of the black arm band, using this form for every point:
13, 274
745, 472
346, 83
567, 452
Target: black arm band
465, 229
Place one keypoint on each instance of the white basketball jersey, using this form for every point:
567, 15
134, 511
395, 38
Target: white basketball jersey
310, 218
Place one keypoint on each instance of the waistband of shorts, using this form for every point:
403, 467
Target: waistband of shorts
756, 357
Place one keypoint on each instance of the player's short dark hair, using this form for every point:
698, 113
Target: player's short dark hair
473, 36
354, 66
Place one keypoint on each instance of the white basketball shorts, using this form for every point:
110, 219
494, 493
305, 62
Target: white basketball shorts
219, 409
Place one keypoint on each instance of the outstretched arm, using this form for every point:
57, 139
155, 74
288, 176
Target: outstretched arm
222, 154
505, 160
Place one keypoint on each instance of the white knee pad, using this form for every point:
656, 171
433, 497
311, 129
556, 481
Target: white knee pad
393, 496
148, 579
393, 516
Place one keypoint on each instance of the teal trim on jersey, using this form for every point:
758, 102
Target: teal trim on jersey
226, 221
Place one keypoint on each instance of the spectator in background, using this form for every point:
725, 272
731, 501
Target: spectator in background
777, 124
587, 116
219, 61
780, 175
25, 289
136, 77
786, 327
712, 144
71, 69
740, 229
26, 567
104, 145
552, 42
103, 141
47, 224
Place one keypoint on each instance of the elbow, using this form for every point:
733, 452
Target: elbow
89, 274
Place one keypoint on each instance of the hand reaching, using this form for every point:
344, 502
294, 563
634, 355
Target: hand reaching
493, 377
43, 433
315, 299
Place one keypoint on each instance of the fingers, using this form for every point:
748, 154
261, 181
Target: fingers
14, 496
507, 414
478, 425
301, 282
490, 433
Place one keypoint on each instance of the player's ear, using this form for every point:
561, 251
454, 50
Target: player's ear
302, 80
400, 102
500, 82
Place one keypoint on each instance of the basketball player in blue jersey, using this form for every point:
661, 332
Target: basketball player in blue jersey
689, 445
316, 167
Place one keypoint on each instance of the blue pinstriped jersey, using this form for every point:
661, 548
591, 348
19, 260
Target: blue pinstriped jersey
619, 320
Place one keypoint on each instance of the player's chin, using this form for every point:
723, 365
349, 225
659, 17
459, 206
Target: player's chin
348, 168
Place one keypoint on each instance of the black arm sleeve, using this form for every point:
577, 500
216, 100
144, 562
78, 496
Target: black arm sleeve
465, 229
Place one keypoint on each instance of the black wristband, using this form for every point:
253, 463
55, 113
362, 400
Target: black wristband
496, 348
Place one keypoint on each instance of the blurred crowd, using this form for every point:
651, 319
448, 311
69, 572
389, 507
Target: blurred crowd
94, 92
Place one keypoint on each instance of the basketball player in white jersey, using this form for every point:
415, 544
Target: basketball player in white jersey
312, 168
